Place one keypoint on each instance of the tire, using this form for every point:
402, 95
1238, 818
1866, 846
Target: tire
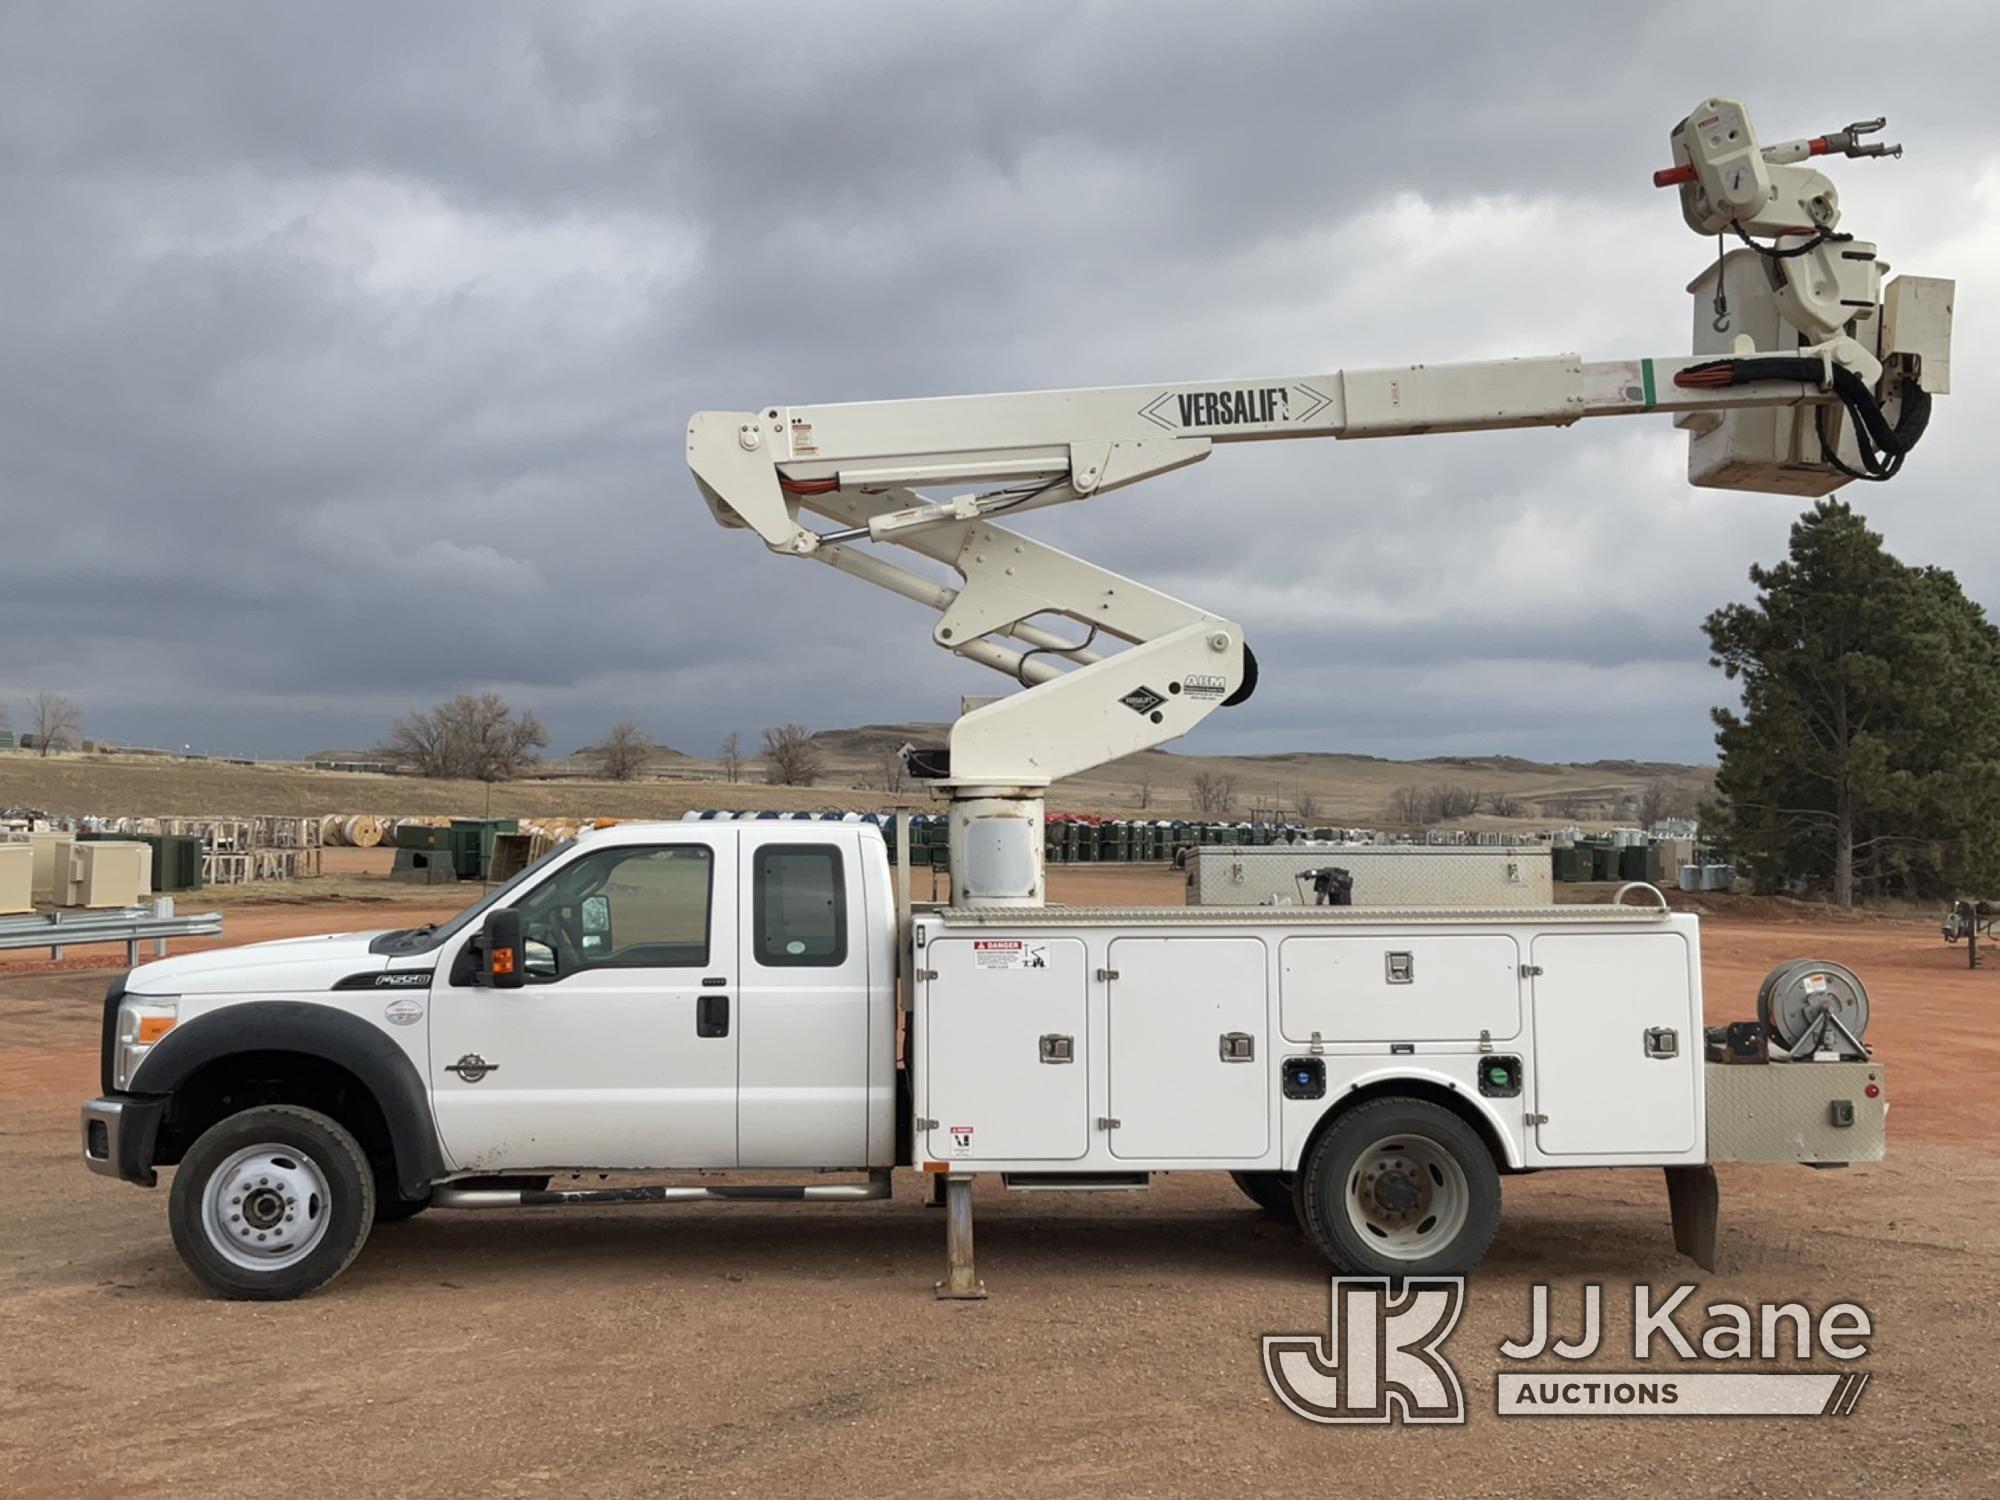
1400, 1187
1270, 1191
295, 1188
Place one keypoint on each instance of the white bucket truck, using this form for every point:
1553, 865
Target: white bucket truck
754, 997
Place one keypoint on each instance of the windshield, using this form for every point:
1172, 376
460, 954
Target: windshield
421, 939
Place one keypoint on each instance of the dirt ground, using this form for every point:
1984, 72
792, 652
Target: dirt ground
737, 1349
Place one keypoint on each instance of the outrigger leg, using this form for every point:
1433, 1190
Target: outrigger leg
959, 1284
1695, 1203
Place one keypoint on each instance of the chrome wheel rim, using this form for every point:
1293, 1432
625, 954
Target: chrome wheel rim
266, 1207
1407, 1197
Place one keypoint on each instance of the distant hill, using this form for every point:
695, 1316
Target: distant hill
1317, 786
1337, 786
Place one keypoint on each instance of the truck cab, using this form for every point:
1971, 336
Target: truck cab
683, 995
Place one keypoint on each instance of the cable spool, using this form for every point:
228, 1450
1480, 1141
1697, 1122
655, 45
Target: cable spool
361, 832
1790, 999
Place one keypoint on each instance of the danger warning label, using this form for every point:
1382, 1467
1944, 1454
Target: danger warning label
1009, 953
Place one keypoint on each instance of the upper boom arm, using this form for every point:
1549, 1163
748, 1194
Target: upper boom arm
754, 466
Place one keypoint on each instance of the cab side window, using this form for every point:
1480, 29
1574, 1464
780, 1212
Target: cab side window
799, 906
633, 908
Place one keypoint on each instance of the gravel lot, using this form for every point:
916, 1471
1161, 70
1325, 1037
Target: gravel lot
735, 1349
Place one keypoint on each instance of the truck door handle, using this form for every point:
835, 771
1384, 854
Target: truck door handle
1662, 1041
711, 1015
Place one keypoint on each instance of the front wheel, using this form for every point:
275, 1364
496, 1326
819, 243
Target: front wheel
1401, 1187
271, 1203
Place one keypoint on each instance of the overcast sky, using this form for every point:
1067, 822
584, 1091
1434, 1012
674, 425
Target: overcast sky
345, 351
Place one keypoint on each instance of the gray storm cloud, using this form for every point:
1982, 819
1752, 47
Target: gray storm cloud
346, 351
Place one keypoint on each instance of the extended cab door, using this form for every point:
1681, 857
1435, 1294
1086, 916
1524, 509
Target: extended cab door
621, 1048
803, 988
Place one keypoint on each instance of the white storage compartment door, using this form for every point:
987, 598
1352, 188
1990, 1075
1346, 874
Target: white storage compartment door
1616, 1044
1189, 1040
985, 1016
1400, 987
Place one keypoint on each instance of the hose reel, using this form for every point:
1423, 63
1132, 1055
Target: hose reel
1812, 1004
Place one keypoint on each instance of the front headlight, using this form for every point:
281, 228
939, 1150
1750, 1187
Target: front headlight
142, 1021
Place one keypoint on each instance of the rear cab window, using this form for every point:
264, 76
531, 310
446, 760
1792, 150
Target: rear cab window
799, 906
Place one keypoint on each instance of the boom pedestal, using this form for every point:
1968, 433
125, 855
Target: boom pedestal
996, 846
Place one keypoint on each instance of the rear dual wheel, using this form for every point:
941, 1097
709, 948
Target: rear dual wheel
1400, 1187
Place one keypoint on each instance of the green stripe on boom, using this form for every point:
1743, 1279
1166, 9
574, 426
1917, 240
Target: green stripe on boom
1646, 373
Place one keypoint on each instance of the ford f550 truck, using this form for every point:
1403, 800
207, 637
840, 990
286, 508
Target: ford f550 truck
725, 996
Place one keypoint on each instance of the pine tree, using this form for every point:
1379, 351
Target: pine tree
1867, 750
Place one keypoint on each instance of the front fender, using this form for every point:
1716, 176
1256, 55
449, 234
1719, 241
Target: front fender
338, 1036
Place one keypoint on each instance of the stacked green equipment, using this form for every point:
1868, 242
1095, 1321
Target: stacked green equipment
176, 857
472, 844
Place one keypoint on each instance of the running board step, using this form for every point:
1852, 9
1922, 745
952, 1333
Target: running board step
447, 1196
1076, 1182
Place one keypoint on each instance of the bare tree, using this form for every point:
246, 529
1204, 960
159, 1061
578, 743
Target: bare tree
1452, 802
1406, 805
477, 738
625, 751
1306, 805
1504, 805
57, 720
1143, 792
1436, 803
1212, 792
891, 772
1666, 799
732, 758
791, 757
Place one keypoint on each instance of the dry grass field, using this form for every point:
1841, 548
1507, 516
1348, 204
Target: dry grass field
1344, 789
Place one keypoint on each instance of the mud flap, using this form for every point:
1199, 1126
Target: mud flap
1695, 1204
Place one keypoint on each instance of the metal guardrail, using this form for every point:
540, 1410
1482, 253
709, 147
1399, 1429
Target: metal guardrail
131, 925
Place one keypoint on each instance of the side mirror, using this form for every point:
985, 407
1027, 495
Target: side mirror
501, 963
596, 914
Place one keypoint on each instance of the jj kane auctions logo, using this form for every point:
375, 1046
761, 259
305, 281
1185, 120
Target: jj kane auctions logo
1382, 1358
